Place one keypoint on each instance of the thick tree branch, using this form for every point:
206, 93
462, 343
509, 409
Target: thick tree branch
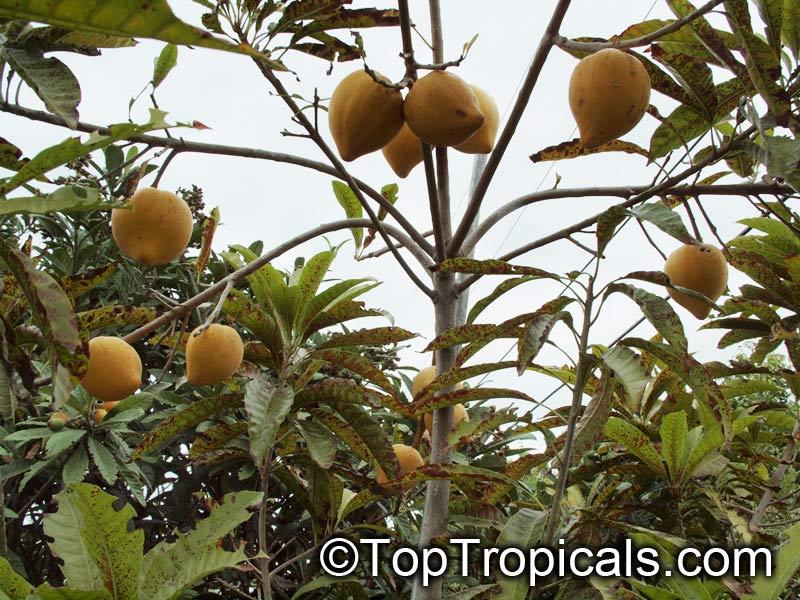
737, 189
212, 292
570, 45
182, 145
545, 45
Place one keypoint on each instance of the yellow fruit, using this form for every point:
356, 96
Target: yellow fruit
442, 109
57, 421
459, 415
424, 378
608, 93
404, 152
99, 415
363, 115
110, 405
699, 268
213, 355
410, 460
154, 228
115, 369
482, 141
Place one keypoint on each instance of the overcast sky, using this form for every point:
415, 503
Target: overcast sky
271, 202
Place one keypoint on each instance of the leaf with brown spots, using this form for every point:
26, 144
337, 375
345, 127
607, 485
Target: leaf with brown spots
574, 149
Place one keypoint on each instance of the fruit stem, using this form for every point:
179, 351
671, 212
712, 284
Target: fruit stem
215, 313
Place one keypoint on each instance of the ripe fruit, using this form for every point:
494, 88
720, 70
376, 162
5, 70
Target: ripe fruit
442, 109
154, 228
115, 369
213, 354
608, 93
404, 152
57, 421
410, 460
482, 141
363, 115
99, 415
109, 406
459, 415
700, 268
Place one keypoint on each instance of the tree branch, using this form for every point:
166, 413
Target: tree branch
216, 289
545, 44
620, 192
567, 44
775, 481
223, 150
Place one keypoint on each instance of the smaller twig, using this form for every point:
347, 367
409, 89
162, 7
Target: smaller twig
581, 246
163, 168
441, 66
698, 236
711, 225
650, 239
215, 313
386, 250
777, 476
233, 589
567, 44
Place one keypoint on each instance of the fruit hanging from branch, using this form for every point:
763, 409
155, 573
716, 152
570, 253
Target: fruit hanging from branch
213, 354
404, 152
482, 142
609, 92
154, 228
442, 109
700, 268
410, 460
57, 421
115, 369
364, 115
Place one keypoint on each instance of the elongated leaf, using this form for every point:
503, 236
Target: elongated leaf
50, 78
454, 376
94, 542
658, 312
11, 584
373, 437
165, 62
73, 148
590, 428
372, 337
71, 198
695, 78
352, 209
636, 442
674, 430
607, 224
47, 592
320, 582
491, 267
267, 406
523, 530
125, 18
429, 403
574, 148
311, 277
216, 437
76, 467
502, 288
115, 316
104, 461
786, 564
666, 219
319, 440
790, 31
537, 331
184, 419
628, 368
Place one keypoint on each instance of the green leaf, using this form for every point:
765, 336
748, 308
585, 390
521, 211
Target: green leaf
178, 422
52, 313
10, 156
72, 148
459, 396
335, 305
11, 584
694, 76
320, 582
607, 224
771, 12
674, 431
76, 467
783, 159
169, 568
116, 316
785, 566
378, 336
628, 368
373, 437
104, 461
790, 32
64, 439
320, 442
71, 198
47, 592
50, 78
658, 312
537, 331
491, 267
94, 542
502, 288
666, 219
165, 62
636, 442
352, 209
590, 428
125, 18
267, 406
216, 437
524, 529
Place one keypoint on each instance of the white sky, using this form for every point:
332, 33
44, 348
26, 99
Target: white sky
271, 202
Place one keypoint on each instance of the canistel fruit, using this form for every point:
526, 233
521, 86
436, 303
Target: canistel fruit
404, 152
608, 94
410, 460
115, 369
701, 268
442, 110
363, 115
482, 142
154, 228
213, 354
